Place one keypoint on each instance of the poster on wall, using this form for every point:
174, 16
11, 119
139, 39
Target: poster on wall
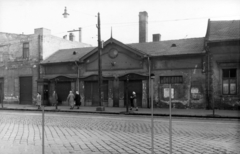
166, 92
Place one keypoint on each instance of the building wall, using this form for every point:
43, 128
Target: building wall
188, 94
223, 56
13, 65
52, 44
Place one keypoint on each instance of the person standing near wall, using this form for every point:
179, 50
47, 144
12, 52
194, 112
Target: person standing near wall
77, 100
54, 99
71, 100
133, 100
39, 100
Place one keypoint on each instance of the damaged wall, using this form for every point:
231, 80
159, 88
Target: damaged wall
189, 94
224, 56
13, 65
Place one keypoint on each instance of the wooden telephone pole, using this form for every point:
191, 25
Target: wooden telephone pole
100, 107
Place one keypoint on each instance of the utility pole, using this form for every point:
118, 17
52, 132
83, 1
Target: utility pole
100, 107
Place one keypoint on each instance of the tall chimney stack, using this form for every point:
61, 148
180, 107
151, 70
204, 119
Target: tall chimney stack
143, 26
80, 34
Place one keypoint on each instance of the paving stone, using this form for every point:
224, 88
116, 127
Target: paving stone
114, 135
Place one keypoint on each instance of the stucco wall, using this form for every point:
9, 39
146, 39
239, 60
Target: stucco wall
13, 66
52, 44
224, 57
190, 93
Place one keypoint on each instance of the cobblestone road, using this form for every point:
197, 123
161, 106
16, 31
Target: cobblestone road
21, 133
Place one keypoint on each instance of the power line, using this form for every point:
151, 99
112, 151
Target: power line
124, 24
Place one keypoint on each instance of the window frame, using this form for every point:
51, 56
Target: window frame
229, 78
25, 53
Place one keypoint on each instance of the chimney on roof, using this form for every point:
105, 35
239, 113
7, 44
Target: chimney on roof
143, 26
80, 34
156, 37
65, 37
71, 37
42, 31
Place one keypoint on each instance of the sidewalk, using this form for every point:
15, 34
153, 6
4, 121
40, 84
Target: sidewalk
201, 113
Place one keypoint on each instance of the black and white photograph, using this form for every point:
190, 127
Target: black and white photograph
119, 77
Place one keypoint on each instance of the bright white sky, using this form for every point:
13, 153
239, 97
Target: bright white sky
173, 19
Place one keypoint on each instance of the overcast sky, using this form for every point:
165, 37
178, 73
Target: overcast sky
173, 19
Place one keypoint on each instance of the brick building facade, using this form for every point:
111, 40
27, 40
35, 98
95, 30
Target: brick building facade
20, 56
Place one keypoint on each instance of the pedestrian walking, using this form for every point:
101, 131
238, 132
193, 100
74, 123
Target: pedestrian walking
77, 100
54, 99
39, 100
133, 100
70, 100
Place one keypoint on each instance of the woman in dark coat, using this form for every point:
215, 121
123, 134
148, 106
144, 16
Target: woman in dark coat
77, 99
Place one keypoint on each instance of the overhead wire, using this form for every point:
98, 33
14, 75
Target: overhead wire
126, 24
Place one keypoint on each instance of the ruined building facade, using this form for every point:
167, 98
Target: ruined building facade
20, 56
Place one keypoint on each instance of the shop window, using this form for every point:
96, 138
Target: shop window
229, 81
25, 50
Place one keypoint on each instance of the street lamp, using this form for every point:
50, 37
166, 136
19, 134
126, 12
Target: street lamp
100, 107
65, 14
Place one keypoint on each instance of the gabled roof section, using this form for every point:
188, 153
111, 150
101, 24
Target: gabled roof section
112, 40
223, 30
67, 55
171, 47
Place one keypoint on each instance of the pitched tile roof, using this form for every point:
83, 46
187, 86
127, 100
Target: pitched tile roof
67, 55
171, 47
162, 48
223, 30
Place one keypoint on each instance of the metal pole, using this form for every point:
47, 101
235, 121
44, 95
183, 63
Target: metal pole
2, 102
127, 96
99, 61
152, 136
170, 118
43, 129
213, 105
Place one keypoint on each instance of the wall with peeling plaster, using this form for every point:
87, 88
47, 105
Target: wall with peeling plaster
189, 94
224, 56
13, 65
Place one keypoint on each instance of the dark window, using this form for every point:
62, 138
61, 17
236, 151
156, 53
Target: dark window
229, 82
25, 50
171, 79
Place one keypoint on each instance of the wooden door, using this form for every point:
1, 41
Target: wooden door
25, 90
62, 89
136, 86
92, 92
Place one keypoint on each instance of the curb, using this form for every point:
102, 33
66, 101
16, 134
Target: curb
130, 113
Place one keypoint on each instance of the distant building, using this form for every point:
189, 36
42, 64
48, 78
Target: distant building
222, 67
20, 56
